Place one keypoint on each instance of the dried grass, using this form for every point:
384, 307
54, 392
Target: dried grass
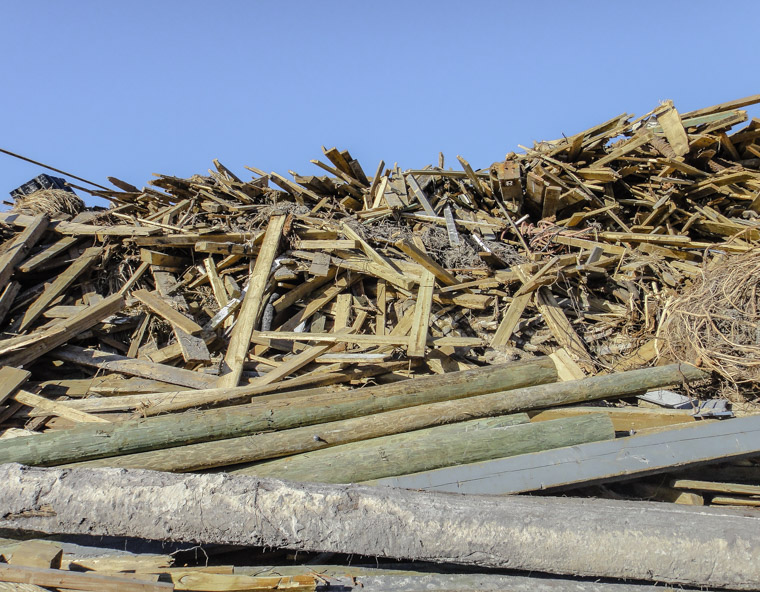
50, 202
715, 323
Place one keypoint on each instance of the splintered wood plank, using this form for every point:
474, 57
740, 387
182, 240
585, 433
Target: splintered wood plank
661, 493
60, 285
138, 273
133, 367
637, 359
587, 244
339, 160
422, 309
538, 279
326, 245
174, 351
78, 229
378, 192
510, 320
342, 311
382, 303
28, 348
324, 296
47, 254
671, 124
567, 368
441, 274
302, 290
162, 259
404, 281
551, 201
266, 337
479, 187
368, 196
54, 408
727, 500
21, 246
514, 311
11, 379
73, 580
142, 563
713, 487
368, 250
420, 195
161, 308
451, 227
192, 580
320, 265
631, 145
240, 340
36, 553
193, 347
561, 328
137, 336
7, 297
471, 301
729, 106
292, 188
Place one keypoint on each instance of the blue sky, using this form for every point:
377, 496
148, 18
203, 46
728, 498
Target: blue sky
133, 88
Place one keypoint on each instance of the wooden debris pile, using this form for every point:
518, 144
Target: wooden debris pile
440, 329
576, 244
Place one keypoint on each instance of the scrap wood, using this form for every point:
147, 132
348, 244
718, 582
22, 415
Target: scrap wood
58, 578
586, 252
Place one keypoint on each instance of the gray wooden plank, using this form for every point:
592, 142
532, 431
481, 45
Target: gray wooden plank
596, 462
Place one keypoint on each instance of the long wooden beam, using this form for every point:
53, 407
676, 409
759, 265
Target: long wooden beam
271, 413
240, 341
708, 547
442, 446
598, 462
281, 412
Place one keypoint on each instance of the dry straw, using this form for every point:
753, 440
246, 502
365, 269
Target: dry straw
49, 201
714, 322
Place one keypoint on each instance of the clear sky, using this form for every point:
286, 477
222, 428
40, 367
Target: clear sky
127, 89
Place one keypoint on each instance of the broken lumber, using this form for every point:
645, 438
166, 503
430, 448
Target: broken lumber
59, 285
71, 580
21, 246
240, 340
25, 349
158, 306
134, 367
10, 380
